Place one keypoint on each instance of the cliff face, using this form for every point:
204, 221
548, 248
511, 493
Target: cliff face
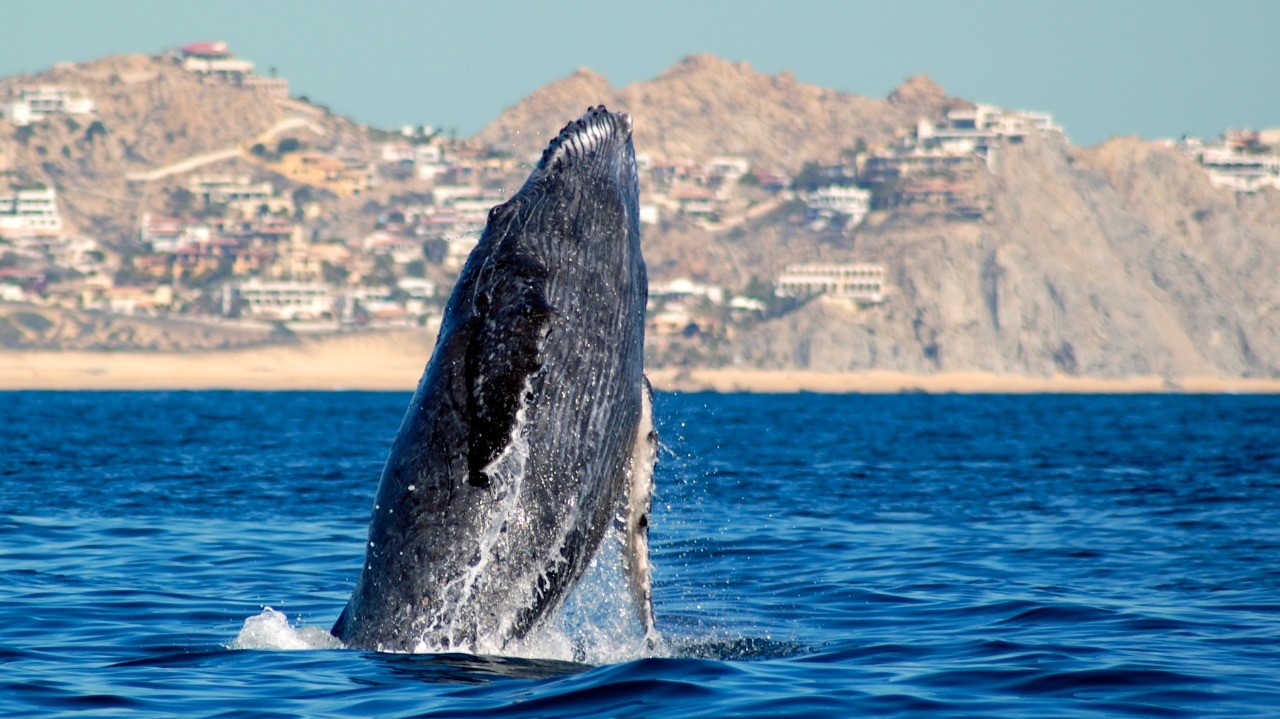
1114, 261
704, 106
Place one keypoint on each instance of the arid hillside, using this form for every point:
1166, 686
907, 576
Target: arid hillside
1114, 261
705, 106
149, 113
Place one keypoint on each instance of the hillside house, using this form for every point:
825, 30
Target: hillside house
279, 301
35, 103
402, 250
213, 58
860, 282
417, 288
729, 168
343, 178
1239, 171
826, 203
28, 211
977, 128
273, 86
683, 290
125, 300
230, 189
890, 165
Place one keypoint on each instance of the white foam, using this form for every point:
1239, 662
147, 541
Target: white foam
598, 623
271, 630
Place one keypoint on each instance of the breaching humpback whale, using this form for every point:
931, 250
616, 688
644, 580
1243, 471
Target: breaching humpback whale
530, 433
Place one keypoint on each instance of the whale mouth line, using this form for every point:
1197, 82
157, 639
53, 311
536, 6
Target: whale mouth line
586, 136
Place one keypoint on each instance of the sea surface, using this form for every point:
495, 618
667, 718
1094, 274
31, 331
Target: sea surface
184, 553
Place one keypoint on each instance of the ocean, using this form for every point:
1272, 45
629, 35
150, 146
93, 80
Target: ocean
184, 553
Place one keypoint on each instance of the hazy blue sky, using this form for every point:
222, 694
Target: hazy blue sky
1156, 69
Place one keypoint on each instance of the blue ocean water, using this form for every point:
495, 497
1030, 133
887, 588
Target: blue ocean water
815, 556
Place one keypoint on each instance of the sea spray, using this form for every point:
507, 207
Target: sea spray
271, 630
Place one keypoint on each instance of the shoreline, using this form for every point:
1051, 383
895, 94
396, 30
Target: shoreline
891, 382
394, 362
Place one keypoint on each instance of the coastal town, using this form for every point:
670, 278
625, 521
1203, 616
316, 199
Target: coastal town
296, 231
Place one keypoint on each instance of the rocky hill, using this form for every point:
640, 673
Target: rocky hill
149, 112
1115, 261
1112, 261
704, 106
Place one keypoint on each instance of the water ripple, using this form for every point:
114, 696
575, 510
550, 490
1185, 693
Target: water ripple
815, 556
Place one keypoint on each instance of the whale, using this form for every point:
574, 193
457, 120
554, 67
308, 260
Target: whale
530, 435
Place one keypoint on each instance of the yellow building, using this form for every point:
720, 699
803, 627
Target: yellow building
335, 175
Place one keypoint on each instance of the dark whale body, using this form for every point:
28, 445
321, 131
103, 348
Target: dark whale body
530, 433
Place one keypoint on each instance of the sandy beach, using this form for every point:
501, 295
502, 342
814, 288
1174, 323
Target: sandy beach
394, 361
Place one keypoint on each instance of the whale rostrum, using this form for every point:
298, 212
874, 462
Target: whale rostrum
530, 434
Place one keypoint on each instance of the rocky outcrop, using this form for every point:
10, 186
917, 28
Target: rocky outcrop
1117, 261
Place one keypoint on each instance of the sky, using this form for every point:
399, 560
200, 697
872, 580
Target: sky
1123, 67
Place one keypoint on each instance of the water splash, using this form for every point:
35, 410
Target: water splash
598, 623
271, 630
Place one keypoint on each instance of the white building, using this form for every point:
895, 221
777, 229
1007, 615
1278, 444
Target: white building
429, 161
393, 152
35, 103
213, 58
273, 86
166, 234
29, 211
12, 293
855, 281
283, 300
970, 128
1240, 172
417, 288
978, 131
730, 167
744, 305
683, 289
230, 189
401, 250
852, 202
